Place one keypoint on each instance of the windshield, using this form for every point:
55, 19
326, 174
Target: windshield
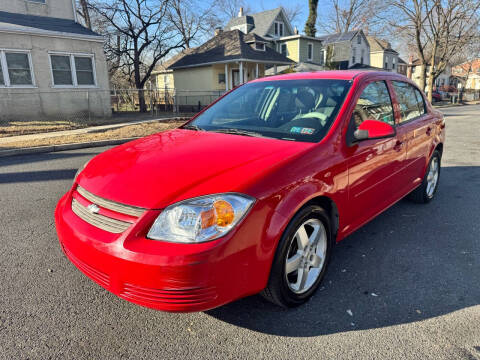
299, 110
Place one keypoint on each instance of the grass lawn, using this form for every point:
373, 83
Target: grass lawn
25, 127
129, 131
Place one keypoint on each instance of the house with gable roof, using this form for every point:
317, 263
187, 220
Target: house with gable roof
309, 53
382, 55
49, 63
227, 60
255, 45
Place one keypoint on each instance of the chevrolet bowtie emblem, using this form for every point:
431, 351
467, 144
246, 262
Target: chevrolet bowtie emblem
93, 208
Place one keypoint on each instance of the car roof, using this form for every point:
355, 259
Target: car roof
332, 74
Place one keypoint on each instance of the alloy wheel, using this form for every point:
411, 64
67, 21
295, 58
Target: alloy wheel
432, 177
306, 256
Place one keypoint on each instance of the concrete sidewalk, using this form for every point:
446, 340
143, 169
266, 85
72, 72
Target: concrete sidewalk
93, 129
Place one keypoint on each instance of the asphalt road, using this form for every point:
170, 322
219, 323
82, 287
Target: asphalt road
421, 260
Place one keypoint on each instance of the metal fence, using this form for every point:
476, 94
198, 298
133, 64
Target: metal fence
162, 100
94, 106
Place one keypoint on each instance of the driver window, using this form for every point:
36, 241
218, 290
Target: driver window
374, 104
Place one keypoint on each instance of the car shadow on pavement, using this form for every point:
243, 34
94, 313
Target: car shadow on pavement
35, 158
411, 263
37, 176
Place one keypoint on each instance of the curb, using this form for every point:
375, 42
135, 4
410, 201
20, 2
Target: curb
55, 148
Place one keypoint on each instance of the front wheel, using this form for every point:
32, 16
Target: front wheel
426, 191
301, 259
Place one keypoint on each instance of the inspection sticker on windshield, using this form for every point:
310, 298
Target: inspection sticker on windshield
302, 130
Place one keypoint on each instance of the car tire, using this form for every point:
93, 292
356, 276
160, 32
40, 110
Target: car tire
424, 193
284, 286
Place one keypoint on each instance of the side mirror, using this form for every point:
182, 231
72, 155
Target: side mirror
373, 129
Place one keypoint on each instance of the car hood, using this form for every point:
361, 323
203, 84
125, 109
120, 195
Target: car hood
163, 168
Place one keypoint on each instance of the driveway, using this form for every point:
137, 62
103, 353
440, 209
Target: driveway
410, 278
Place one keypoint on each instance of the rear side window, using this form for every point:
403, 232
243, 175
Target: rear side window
410, 101
374, 104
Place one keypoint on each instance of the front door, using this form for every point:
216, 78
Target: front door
373, 163
235, 77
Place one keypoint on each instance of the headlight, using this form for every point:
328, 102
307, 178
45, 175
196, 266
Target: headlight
200, 219
80, 170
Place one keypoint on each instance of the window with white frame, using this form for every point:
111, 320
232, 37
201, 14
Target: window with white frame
283, 49
359, 39
73, 70
278, 28
310, 51
260, 46
15, 68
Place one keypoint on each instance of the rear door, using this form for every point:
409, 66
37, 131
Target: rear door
373, 163
414, 129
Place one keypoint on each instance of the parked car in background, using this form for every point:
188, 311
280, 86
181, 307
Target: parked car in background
436, 96
252, 194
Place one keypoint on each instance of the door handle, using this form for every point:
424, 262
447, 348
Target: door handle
429, 131
398, 145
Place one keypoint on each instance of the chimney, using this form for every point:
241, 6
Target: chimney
240, 13
295, 31
218, 31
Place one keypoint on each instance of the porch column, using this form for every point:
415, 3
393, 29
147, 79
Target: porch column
275, 69
241, 73
256, 71
226, 77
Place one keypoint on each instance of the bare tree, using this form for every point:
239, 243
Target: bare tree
139, 36
84, 11
408, 21
438, 29
293, 11
191, 20
346, 15
310, 29
450, 28
227, 9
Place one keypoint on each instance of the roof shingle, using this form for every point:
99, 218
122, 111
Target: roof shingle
261, 21
45, 23
377, 44
228, 46
348, 36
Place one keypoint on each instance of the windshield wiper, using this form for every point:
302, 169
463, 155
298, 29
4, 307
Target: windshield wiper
239, 132
192, 127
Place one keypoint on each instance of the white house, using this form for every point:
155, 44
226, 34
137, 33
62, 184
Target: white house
50, 65
349, 49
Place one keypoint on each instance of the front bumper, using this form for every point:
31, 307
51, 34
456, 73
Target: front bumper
167, 276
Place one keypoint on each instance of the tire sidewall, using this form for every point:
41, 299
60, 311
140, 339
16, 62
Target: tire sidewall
427, 198
278, 269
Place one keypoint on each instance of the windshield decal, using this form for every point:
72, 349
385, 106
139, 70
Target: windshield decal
302, 130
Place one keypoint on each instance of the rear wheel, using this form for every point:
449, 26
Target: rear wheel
301, 259
426, 191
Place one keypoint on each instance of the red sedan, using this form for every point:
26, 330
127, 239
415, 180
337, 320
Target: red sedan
251, 194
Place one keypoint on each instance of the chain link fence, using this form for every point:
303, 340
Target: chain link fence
162, 100
71, 108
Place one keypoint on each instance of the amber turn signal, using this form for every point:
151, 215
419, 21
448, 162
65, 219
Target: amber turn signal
222, 215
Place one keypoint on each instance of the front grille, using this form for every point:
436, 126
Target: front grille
111, 205
100, 221
171, 296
